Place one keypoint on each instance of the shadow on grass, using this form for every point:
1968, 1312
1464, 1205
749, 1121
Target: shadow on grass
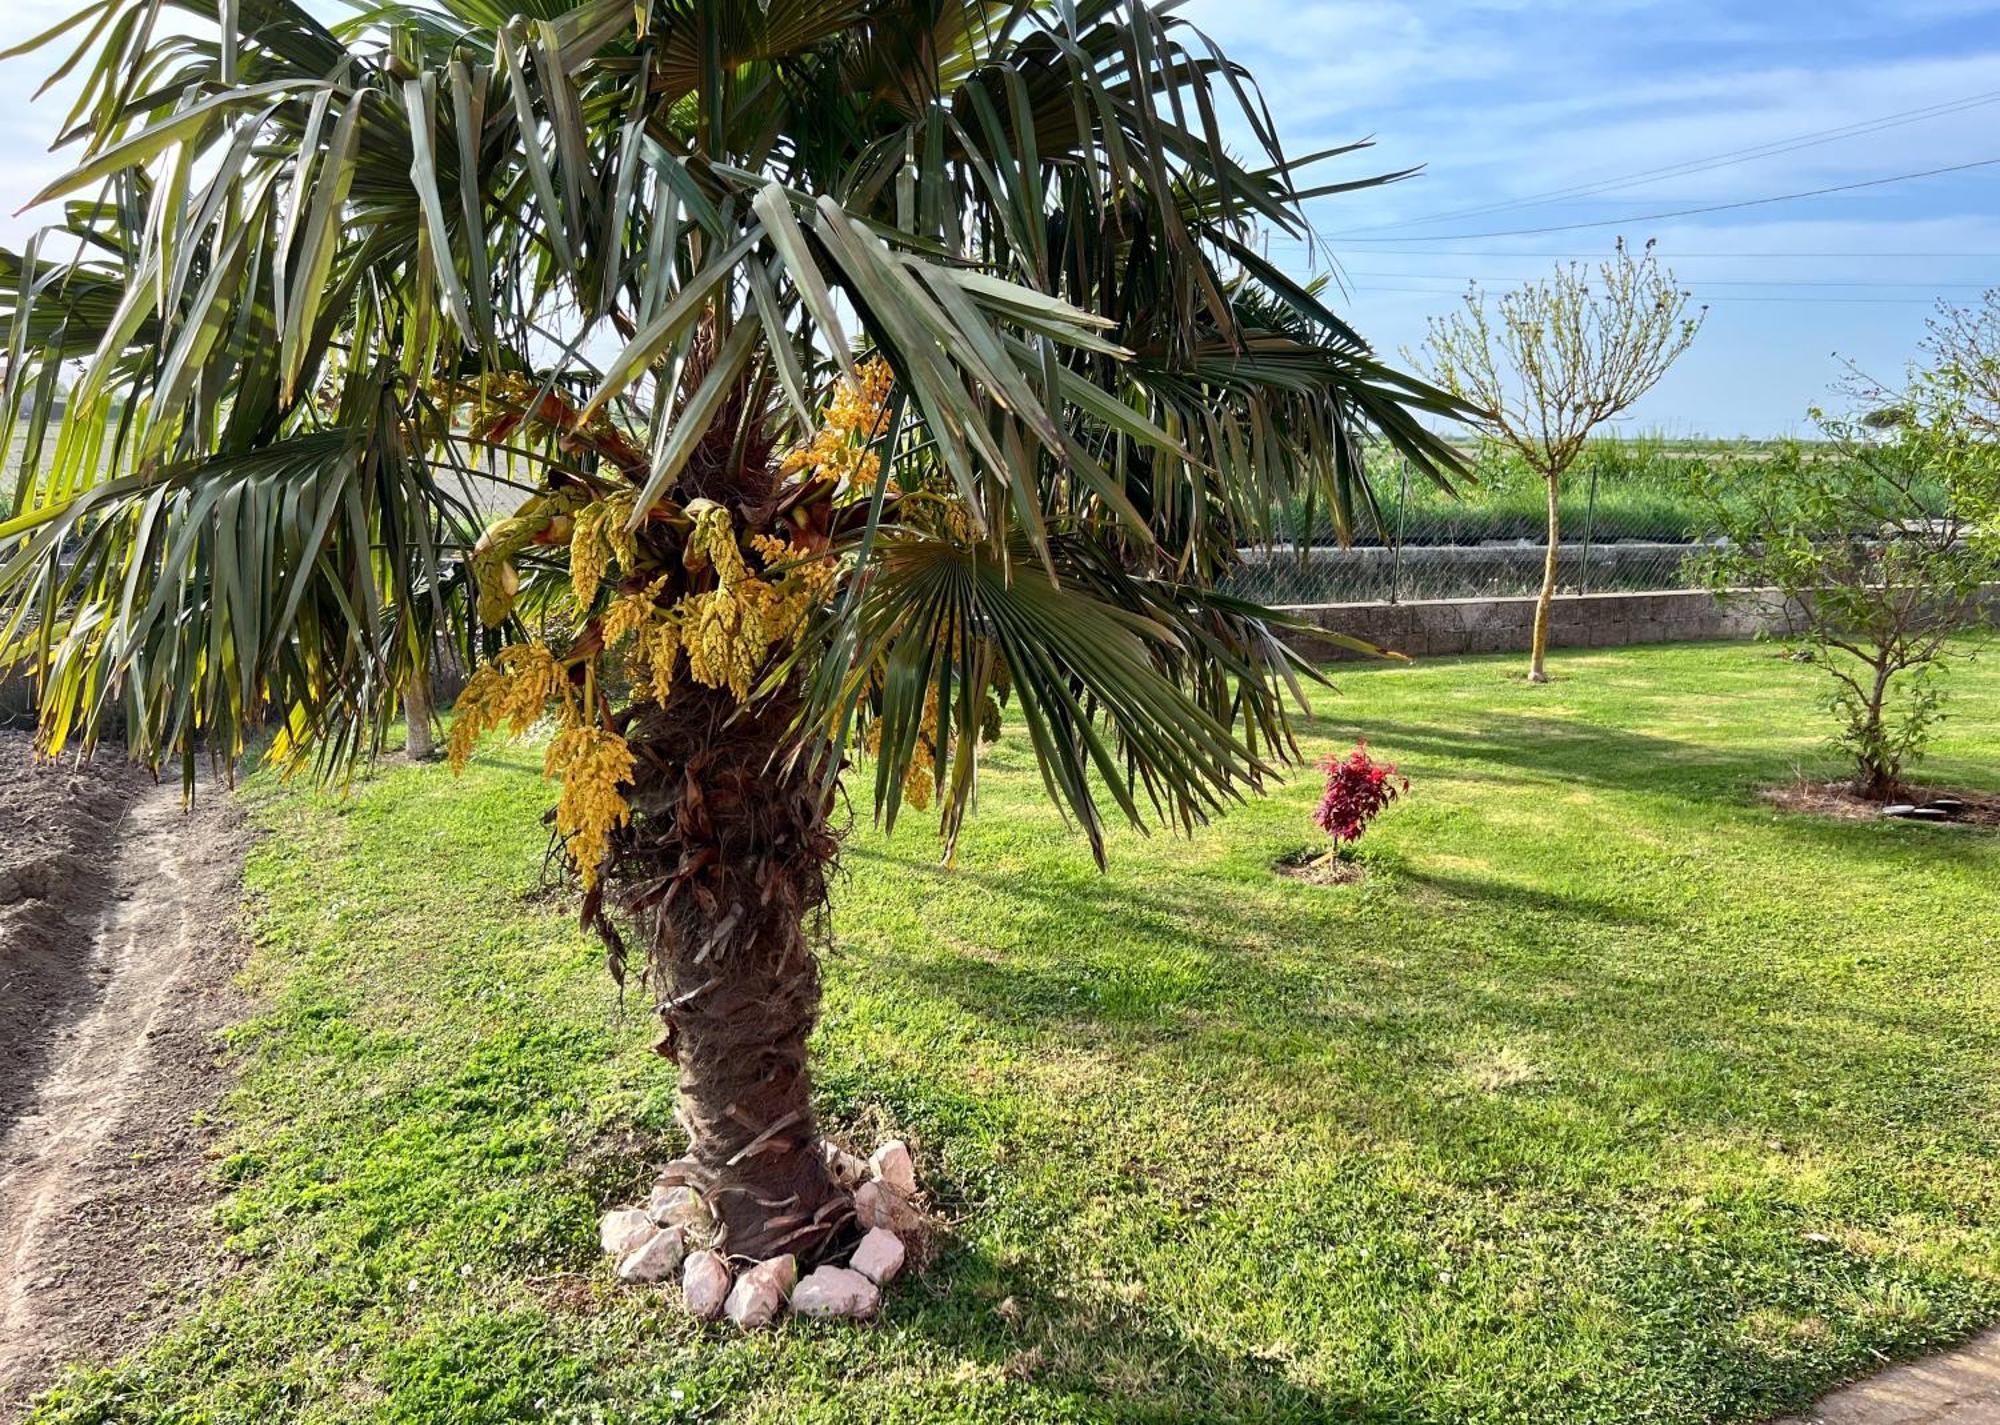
1224, 971
1517, 749
1115, 1359
1589, 754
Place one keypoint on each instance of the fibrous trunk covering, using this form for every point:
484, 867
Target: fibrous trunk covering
725, 867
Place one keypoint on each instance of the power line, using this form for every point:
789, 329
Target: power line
1837, 301
1726, 159
1693, 281
1675, 257
1690, 212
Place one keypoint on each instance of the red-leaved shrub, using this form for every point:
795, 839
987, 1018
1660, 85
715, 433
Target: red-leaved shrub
1357, 789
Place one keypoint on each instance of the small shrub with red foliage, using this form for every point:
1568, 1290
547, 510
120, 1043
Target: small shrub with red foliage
1357, 789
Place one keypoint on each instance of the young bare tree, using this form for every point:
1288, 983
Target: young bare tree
1553, 360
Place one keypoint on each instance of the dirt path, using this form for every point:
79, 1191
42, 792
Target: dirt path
107, 1109
1960, 1387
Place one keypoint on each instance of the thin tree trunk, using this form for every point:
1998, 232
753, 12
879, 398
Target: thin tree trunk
1877, 780
1538, 653
738, 844
421, 743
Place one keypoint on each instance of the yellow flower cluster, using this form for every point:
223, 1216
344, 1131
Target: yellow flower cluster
726, 636
920, 778
921, 774
514, 689
629, 613
599, 536
592, 764
856, 417
505, 396
712, 544
728, 631
663, 651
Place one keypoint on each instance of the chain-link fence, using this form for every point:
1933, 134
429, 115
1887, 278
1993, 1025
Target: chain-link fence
1618, 534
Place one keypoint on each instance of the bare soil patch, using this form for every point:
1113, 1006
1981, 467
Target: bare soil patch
1942, 805
58, 831
1318, 869
118, 940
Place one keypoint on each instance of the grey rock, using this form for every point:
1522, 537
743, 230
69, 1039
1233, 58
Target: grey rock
890, 1165
704, 1285
846, 1170
622, 1229
760, 1293
879, 1257
878, 1205
678, 1206
656, 1258
836, 1291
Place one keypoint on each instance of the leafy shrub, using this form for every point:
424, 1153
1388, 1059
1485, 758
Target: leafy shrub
1877, 560
1358, 789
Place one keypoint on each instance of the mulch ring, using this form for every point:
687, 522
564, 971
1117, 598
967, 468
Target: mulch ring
1313, 866
1942, 805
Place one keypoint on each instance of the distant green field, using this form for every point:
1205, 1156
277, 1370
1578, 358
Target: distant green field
1625, 487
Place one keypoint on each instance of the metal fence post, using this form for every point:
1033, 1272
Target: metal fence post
1396, 566
1589, 525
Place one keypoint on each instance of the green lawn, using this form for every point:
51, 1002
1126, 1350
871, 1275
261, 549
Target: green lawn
1611, 1095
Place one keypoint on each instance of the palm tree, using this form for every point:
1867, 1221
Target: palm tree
748, 387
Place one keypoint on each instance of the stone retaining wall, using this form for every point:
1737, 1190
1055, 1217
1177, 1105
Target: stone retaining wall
1442, 627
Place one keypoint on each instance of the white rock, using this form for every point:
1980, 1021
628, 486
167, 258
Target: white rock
760, 1293
622, 1229
879, 1257
677, 1206
871, 1204
877, 1205
890, 1165
846, 1170
836, 1291
656, 1258
704, 1285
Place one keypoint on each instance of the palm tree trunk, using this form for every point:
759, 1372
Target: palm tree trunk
728, 855
1538, 653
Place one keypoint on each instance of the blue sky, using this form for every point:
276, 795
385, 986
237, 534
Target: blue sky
1504, 100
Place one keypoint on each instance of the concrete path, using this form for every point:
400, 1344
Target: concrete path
1960, 1387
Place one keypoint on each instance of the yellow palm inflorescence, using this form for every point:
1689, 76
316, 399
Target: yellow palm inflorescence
592, 763
857, 416
726, 631
922, 772
515, 689
599, 536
